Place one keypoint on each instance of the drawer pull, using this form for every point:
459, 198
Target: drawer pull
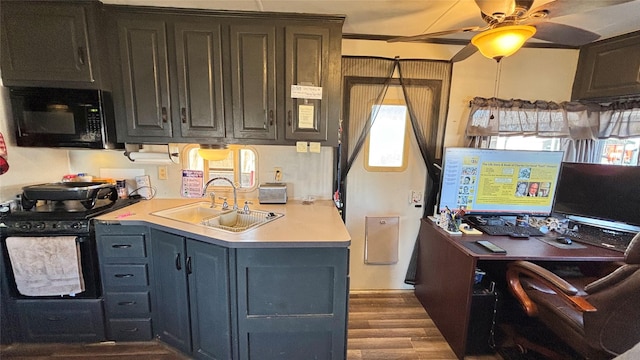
124, 275
55, 318
121, 246
127, 303
135, 329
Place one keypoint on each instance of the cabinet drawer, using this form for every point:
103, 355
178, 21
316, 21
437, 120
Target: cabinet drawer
130, 329
125, 303
125, 275
119, 246
61, 320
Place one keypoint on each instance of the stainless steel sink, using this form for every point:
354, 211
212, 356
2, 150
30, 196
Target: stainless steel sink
235, 221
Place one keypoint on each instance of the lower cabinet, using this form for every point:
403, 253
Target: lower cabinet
214, 302
192, 312
124, 255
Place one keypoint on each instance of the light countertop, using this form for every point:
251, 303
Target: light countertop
315, 225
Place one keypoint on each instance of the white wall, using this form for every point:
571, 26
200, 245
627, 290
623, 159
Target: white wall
305, 173
532, 74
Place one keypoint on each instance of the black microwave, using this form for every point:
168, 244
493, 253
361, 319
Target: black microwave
73, 118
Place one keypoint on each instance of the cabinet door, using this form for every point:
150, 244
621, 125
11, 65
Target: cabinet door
608, 69
292, 303
253, 81
145, 72
199, 59
209, 299
46, 42
307, 64
171, 314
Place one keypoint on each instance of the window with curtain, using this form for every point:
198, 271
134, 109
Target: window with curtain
595, 133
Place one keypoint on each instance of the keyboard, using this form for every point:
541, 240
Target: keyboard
506, 230
604, 238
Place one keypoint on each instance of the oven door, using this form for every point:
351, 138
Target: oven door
88, 268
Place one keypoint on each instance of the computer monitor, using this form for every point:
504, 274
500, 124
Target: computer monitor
596, 193
499, 182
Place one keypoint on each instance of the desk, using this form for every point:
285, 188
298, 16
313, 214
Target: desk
446, 270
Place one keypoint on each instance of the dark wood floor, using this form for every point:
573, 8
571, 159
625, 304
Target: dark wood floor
382, 326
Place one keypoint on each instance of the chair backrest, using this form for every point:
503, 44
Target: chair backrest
632, 255
615, 327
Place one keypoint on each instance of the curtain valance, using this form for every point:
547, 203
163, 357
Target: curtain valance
575, 120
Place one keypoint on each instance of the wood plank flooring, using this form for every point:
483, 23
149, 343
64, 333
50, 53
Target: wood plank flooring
387, 325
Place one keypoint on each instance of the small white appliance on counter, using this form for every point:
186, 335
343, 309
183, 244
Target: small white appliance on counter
272, 193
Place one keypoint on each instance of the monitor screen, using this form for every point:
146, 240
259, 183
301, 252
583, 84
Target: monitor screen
499, 182
599, 191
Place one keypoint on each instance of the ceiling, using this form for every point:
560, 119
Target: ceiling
383, 19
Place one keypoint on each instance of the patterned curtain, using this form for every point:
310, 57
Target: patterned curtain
574, 120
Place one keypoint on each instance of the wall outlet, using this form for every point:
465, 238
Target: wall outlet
162, 172
277, 173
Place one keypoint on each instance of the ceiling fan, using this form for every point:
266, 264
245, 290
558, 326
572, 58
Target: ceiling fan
518, 21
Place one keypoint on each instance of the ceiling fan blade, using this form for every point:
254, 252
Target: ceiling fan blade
564, 34
466, 51
567, 7
435, 34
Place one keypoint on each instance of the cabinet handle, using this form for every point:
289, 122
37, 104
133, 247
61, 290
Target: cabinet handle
164, 114
183, 111
121, 246
178, 262
123, 275
55, 318
271, 117
80, 55
135, 329
189, 265
289, 117
126, 303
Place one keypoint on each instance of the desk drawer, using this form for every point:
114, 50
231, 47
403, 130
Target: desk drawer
125, 275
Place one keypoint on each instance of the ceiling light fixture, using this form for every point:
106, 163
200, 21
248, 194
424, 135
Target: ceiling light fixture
502, 41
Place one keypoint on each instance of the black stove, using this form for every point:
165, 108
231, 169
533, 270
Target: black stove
60, 217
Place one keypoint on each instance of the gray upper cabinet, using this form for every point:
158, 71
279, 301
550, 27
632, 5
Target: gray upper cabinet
201, 95
214, 77
609, 69
171, 78
308, 63
253, 69
50, 44
145, 78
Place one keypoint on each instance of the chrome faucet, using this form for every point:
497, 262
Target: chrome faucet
235, 194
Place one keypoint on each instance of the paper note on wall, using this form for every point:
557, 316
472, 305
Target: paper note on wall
192, 183
306, 92
305, 116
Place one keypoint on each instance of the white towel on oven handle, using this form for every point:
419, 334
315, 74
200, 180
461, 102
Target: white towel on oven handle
46, 266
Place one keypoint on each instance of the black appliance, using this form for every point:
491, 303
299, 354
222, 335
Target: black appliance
74, 118
62, 209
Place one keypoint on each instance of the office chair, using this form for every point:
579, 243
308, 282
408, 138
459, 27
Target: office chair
599, 320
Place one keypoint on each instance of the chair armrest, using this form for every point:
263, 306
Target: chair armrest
562, 288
